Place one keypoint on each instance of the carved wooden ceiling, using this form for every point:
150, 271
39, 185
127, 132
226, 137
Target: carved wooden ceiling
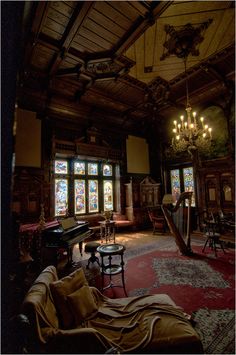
111, 63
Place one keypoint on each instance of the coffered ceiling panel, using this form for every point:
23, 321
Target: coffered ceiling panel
147, 51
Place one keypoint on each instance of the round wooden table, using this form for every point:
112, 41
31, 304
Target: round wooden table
111, 268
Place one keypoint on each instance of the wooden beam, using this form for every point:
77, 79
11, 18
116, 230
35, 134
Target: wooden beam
213, 73
40, 15
140, 25
79, 14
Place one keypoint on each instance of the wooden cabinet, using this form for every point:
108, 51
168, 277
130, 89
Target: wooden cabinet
139, 197
217, 186
149, 193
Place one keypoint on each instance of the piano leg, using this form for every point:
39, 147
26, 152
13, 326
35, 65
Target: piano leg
81, 248
69, 255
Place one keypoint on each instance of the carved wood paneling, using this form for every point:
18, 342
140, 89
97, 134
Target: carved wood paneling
213, 177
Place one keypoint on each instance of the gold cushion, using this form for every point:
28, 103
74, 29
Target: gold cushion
61, 289
82, 304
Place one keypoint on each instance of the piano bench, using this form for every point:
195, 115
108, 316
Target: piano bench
91, 247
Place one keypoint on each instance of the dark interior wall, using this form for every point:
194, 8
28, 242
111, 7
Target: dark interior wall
11, 16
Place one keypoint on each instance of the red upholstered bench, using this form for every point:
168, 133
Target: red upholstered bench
121, 221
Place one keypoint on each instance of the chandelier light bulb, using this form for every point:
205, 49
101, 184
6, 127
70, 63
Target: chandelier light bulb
201, 119
175, 123
206, 126
182, 117
192, 125
194, 114
204, 135
179, 125
177, 137
185, 124
174, 130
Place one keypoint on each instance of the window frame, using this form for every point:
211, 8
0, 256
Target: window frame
71, 177
181, 178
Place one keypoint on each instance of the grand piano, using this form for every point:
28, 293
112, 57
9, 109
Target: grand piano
65, 235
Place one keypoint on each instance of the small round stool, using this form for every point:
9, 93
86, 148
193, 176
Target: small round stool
91, 247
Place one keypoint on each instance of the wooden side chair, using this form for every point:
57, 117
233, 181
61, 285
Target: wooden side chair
158, 221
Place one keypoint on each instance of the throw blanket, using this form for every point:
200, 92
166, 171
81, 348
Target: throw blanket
135, 323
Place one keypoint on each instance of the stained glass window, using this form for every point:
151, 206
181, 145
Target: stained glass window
79, 168
61, 167
61, 197
82, 187
175, 184
108, 195
189, 183
92, 168
80, 206
107, 170
93, 195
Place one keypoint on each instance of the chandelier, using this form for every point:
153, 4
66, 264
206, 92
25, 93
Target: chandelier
191, 133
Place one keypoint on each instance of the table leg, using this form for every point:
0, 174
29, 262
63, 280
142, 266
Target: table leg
102, 272
205, 245
123, 274
81, 248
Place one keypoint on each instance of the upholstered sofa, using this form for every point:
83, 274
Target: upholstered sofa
67, 316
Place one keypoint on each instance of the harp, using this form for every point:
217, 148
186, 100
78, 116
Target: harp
178, 219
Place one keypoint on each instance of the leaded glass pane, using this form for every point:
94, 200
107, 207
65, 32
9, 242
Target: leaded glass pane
107, 170
61, 197
108, 195
189, 183
175, 184
93, 195
79, 168
79, 196
61, 167
92, 168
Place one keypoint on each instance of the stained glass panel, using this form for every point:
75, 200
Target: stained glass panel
108, 195
61, 197
175, 184
189, 183
61, 167
107, 170
79, 196
92, 168
93, 195
79, 168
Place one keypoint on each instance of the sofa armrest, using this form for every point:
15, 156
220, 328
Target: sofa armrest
21, 331
78, 340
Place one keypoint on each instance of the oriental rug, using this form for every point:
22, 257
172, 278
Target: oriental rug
203, 285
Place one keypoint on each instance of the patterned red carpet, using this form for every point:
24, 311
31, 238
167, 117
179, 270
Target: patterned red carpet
203, 285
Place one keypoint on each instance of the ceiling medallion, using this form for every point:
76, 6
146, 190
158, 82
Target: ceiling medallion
184, 40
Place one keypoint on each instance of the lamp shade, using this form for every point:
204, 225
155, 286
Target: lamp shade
167, 199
